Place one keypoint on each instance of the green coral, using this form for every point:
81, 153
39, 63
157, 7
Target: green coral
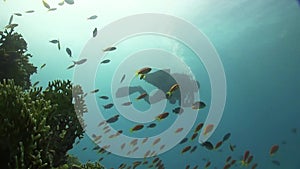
14, 61
23, 129
37, 127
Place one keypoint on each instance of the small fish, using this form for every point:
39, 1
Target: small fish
294, 130
254, 166
95, 91
104, 97
185, 149
172, 89
199, 127
194, 136
108, 106
71, 66
178, 130
52, 9
43, 65
226, 137
96, 147
113, 119
70, 2
198, 105
54, 41
10, 19
156, 141
134, 142
101, 123
273, 149
122, 79
69, 52
245, 157
145, 140
80, 61
84, 148
152, 125
207, 164
109, 49
162, 147
29, 11
137, 127
162, 116
127, 103
276, 162
218, 145
232, 147
183, 140
194, 149
141, 96
208, 145
61, 3
92, 17
208, 129
36, 83
105, 61
178, 110
18, 14
58, 45
233, 162
46, 5
100, 159
249, 160
11, 26
123, 146
95, 31
187, 167
143, 71
227, 166
228, 159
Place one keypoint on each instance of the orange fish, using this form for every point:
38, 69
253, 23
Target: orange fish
162, 116
156, 141
194, 136
246, 155
208, 129
207, 164
185, 149
155, 160
179, 130
171, 90
143, 71
199, 127
249, 160
232, 162
218, 144
274, 149
137, 127
227, 166
143, 95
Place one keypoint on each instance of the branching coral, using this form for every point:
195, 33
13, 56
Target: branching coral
23, 129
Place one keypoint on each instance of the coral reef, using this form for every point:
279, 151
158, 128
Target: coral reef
14, 61
37, 127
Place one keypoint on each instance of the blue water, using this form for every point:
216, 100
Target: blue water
258, 44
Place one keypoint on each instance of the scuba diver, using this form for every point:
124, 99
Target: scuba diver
183, 90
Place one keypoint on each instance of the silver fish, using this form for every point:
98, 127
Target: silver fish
80, 62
